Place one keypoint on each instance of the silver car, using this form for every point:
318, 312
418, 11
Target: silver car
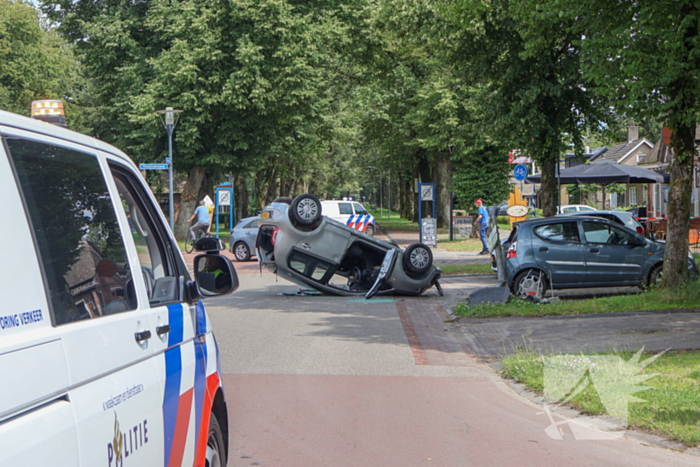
243, 236
304, 247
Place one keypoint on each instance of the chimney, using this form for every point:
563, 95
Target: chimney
632, 133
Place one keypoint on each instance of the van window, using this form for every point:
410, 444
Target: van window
75, 228
345, 208
151, 247
359, 209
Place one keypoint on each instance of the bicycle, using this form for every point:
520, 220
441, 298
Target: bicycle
189, 243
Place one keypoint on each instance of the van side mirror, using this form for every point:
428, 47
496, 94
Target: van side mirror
214, 275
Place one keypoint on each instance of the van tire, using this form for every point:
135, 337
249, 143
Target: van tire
370, 230
216, 449
305, 210
417, 258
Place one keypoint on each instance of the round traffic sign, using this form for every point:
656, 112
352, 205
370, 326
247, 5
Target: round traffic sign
520, 172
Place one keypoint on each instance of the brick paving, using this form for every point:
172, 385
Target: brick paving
426, 320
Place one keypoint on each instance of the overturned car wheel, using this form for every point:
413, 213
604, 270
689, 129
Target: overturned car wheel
417, 258
305, 211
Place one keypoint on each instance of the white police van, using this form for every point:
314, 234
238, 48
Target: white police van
350, 213
107, 356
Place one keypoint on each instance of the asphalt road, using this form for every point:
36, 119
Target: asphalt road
331, 381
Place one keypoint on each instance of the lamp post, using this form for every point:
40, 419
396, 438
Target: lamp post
381, 203
169, 119
451, 220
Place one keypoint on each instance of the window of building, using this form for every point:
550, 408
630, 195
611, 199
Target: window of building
75, 228
633, 196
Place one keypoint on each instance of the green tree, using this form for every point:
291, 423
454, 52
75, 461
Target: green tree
644, 58
528, 71
34, 62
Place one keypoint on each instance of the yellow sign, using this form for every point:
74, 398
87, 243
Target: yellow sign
265, 215
514, 200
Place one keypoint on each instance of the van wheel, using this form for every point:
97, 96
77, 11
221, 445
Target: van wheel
417, 258
216, 451
241, 251
655, 276
305, 210
370, 230
530, 283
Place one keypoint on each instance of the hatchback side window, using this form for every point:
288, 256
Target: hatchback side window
252, 224
359, 209
595, 232
308, 266
75, 228
569, 209
561, 232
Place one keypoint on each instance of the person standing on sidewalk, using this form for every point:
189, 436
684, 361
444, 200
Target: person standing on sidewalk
482, 221
202, 214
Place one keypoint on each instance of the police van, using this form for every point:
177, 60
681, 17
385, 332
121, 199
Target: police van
107, 355
350, 213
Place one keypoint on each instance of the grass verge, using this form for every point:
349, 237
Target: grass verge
670, 405
653, 299
453, 269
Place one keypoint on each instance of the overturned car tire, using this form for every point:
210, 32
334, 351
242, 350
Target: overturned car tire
305, 212
417, 258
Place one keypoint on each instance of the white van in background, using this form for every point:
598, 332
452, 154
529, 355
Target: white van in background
107, 355
350, 213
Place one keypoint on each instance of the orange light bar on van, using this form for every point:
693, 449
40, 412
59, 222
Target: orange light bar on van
49, 110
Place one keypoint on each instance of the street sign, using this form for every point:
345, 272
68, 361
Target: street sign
520, 172
224, 197
427, 192
428, 234
167, 160
153, 166
517, 210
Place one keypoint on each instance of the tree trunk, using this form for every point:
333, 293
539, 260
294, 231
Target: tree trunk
242, 200
679, 193
408, 198
423, 170
442, 188
548, 190
194, 190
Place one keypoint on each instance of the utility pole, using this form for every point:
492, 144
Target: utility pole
451, 219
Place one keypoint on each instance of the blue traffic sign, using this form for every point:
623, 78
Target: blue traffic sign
153, 166
520, 172
167, 160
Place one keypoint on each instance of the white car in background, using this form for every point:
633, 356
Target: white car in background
350, 213
568, 208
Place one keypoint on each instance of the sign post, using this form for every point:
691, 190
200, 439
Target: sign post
427, 227
223, 198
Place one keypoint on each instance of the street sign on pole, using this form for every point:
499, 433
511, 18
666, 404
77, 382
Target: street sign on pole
427, 227
153, 166
520, 172
168, 160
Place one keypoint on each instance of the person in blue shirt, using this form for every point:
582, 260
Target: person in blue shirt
202, 215
482, 221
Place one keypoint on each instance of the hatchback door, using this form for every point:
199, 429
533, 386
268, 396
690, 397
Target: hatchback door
559, 251
609, 257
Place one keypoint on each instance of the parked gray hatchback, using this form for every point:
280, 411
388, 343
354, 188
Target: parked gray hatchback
580, 252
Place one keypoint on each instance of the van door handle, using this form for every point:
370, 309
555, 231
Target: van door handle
544, 248
594, 250
160, 330
142, 336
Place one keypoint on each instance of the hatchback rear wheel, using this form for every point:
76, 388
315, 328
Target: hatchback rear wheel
241, 251
530, 283
305, 210
417, 258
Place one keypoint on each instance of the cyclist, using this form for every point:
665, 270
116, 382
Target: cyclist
202, 215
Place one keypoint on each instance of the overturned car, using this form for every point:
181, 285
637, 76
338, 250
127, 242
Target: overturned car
298, 243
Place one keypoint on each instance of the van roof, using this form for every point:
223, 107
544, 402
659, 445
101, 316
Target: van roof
21, 122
